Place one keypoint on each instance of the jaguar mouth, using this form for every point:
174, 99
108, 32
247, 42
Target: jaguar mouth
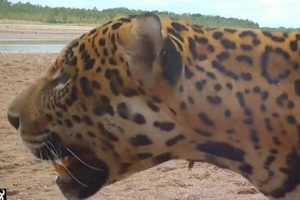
80, 178
80, 173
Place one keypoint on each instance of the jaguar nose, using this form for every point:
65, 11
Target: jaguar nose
13, 120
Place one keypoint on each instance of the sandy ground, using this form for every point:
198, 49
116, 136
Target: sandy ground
26, 178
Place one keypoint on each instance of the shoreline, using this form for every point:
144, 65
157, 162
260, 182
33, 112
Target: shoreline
43, 28
38, 38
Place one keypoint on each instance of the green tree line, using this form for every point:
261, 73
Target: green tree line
27, 11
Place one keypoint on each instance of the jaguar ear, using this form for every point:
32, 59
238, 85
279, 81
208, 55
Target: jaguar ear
152, 56
144, 39
141, 44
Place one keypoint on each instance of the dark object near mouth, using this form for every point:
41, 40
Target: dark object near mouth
81, 172
81, 179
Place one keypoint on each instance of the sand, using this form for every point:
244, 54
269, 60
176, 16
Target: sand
26, 178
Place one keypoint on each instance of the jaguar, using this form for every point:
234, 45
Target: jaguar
141, 90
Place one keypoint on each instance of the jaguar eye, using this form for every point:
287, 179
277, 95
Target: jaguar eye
61, 81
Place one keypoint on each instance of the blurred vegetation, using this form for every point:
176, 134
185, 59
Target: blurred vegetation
27, 11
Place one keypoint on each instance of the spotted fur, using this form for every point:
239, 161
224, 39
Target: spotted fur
139, 91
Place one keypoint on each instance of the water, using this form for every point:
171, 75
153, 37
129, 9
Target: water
31, 48
34, 42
